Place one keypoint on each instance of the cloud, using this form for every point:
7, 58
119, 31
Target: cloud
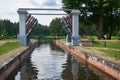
8, 9
35, 3
50, 3
45, 3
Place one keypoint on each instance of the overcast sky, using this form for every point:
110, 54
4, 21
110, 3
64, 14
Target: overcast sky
8, 8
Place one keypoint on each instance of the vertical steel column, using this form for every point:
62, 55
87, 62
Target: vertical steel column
75, 27
22, 27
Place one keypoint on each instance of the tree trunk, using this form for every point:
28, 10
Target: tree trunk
100, 27
110, 32
110, 27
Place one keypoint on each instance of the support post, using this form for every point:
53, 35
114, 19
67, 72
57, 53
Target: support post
68, 38
75, 27
22, 27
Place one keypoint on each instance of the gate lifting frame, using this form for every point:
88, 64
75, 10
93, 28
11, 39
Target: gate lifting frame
24, 20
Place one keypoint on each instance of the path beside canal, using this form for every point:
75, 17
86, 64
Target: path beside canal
6, 57
11, 54
97, 51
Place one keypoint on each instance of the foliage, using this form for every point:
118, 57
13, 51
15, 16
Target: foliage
7, 47
56, 27
40, 30
8, 29
89, 30
92, 39
105, 14
118, 34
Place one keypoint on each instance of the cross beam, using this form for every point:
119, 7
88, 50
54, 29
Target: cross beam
47, 14
45, 9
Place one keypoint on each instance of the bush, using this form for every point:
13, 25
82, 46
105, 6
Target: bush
7, 37
118, 34
91, 39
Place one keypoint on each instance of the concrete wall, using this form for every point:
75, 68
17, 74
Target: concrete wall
105, 66
15, 62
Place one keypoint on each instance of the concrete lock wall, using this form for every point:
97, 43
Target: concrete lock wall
105, 66
15, 62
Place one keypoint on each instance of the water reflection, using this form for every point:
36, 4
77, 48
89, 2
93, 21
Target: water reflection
28, 71
48, 62
74, 70
67, 72
45, 63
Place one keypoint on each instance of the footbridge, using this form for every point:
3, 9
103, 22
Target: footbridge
27, 22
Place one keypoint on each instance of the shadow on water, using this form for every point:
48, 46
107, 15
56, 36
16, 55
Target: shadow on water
28, 71
74, 70
52, 46
48, 62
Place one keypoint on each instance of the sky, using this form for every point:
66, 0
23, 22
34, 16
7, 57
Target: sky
8, 9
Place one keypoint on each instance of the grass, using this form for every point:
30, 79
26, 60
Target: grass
89, 37
8, 46
112, 53
9, 39
111, 49
63, 37
109, 44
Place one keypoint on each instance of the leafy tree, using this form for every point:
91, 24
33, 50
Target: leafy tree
87, 30
8, 29
101, 13
56, 27
40, 30
1, 27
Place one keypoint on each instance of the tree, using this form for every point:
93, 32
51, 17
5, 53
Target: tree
56, 27
1, 27
8, 29
40, 30
95, 12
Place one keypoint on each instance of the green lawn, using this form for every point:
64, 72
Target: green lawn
8, 46
109, 44
111, 49
112, 53
63, 37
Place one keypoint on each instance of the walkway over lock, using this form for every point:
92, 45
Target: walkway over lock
27, 22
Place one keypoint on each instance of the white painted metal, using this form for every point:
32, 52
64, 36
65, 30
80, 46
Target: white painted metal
47, 14
75, 27
22, 23
45, 9
22, 27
